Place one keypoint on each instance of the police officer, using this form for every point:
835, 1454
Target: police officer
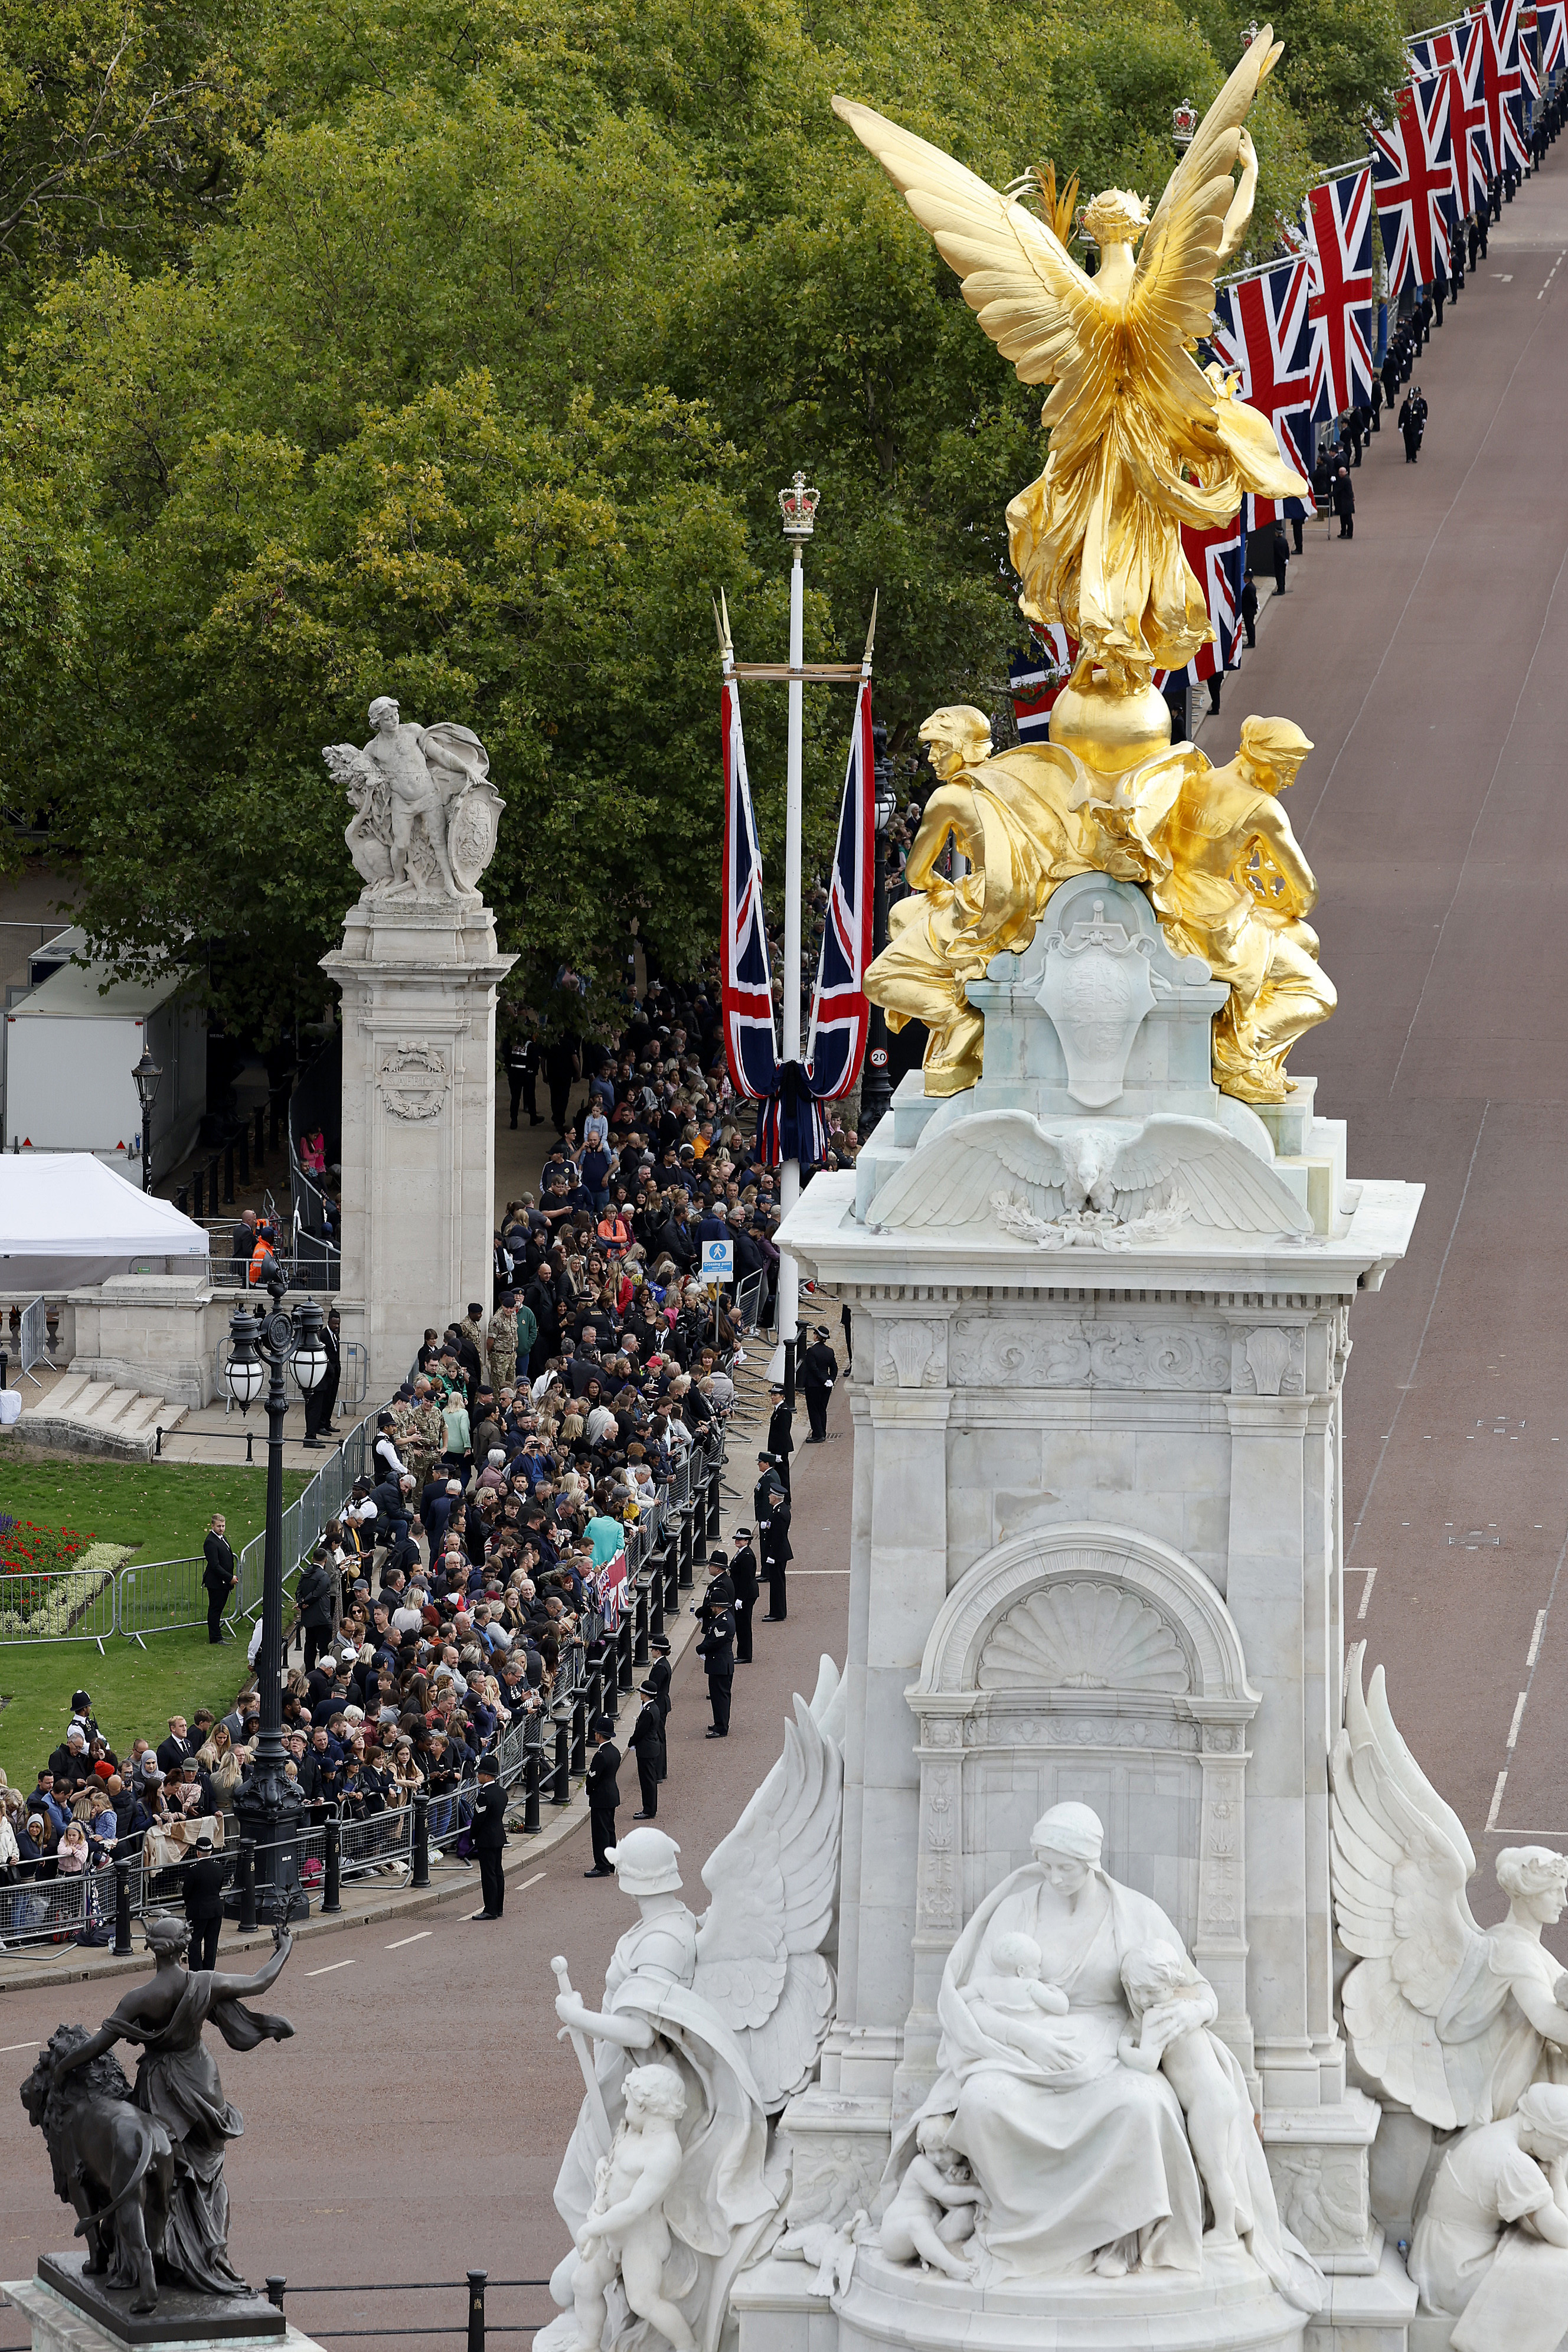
743, 1576
781, 1434
771, 1506
522, 1075
820, 1370
647, 1744
203, 1892
658, 1675
486, 1836
603, 1795
717, 1650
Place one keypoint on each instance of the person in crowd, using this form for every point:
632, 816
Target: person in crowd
717, 1650
489, 1838
604, 1796
1410, 426
218, 1575
820, 1370
202, 1892
321, 1401
1280, 552
647, 1744
1344, 496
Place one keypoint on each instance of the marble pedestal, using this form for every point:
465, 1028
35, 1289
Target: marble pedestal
1096, 1555
419, 978
60, 2325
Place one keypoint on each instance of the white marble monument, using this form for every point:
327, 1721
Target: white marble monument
418, 970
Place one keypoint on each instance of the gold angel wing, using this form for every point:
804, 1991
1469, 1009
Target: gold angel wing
1172, 287
1029, 295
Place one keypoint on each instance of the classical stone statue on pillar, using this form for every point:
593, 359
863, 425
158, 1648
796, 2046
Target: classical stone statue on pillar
426, 813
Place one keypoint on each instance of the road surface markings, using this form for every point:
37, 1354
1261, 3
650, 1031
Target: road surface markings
1504, 277
330, 1966
1517, 1718
419, 1939
1371, 1575
529, 1882
1496, 1800
9, 2046
1534, 1650
1551, 274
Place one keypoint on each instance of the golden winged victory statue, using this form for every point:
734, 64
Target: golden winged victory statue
1142, 440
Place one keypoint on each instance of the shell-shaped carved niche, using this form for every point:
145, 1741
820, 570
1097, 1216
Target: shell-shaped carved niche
1084, 1636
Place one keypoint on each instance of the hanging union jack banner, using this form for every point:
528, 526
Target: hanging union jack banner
1037, 677
751, 1046
1475, 162
1338, 228
1263, 334
1218, 559
1502, 86
1552, 35
839, 1010
1414, 164
1529, 64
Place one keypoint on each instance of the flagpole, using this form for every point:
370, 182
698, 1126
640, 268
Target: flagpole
797, 505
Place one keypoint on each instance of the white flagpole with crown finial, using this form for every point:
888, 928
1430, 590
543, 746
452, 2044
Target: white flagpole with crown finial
797, 506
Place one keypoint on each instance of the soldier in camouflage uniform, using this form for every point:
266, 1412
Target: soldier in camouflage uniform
426, 1434
503, 1345
472, 1328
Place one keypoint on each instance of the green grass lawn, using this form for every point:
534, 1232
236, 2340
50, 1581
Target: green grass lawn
161, 1510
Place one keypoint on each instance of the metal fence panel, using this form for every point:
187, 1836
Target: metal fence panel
67, 1604
45, 1910
161, 1596
35, 1337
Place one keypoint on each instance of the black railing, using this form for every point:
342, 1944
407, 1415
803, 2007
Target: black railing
474, 2325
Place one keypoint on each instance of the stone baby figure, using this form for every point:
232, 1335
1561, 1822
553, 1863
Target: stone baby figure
927, 2211
625, 2232
1171, 2005
1016, 2006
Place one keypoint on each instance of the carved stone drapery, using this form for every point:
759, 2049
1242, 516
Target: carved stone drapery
1073, 1642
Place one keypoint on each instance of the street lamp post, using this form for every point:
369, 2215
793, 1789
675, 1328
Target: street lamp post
147, 1074
877, 1087
268, 1805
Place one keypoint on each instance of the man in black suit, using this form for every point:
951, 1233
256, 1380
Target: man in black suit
717, 1648
658, 1674
780, 1435
818, 1370
203, 1893
172, 1751
487, 1837
313, 1605
322, 1400
604, 1796
217, 1576
647, 1744
743, 1576
772, 1506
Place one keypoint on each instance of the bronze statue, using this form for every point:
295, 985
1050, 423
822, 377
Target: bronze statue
113, 2164
177, 2087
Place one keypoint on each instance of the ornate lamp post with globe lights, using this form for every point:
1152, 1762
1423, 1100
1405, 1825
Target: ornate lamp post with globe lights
268, 1805
877, 1086
147, 1074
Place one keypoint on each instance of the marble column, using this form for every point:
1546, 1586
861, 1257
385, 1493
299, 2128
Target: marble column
418, 978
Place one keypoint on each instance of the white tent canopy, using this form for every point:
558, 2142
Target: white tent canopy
67, 1219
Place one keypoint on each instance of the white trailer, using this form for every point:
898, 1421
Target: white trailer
71, 1044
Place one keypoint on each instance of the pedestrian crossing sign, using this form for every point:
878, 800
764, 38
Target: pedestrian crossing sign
718, 1261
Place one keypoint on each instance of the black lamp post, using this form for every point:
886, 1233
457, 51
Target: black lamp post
147, 1074
269, 1804
877, 1086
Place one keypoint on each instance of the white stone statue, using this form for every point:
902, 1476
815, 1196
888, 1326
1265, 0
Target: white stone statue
1451, 2020
933, 2205
736, 2006
1172, 2006
1081, 2156
625, 2235
1492, 2244
426, 813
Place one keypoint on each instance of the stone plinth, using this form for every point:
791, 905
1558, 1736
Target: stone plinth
189, 2323
419, 978
154, 1333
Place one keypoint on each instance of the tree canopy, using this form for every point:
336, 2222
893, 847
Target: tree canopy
457, 350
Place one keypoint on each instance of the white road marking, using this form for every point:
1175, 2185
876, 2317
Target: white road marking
1371, 1575
529, 1882
9, 2046
330, 1966
1534, 1651
1517, 1719
1496, 1800
419, 1939
1504, 277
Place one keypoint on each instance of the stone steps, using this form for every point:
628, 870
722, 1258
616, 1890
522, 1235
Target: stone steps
89, 1416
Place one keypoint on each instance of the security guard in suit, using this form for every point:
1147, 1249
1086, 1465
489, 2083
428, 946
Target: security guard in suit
658, 1675
647, 1744
603, 1795
717, 1650
486, 1836
203, 1893
743, 1576
780, 1435
818, 1370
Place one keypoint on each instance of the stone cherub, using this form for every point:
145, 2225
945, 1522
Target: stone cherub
1014, 2005
426, 813
1172, 2006
625, 2235
933, 2205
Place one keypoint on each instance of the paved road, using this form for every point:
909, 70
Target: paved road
1427, 658
414, 2126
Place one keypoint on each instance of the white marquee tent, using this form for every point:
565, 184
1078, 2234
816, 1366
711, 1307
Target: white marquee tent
67, 1219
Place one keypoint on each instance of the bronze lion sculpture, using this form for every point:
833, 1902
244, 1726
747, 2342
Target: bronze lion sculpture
113, 2164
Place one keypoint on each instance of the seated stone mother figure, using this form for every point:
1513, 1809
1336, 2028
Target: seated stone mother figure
1086, 2166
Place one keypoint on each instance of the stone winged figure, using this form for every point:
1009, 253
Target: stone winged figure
1143, 440
1452, 2020
670, 2184
426, 813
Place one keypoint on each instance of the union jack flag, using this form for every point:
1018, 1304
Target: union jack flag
751, 1044
1414, 162
1552, 32
1529, 64
839, 1010
1475, 163
1263, 334
610, 1590
1034, 687
1339, 230
1218, 560
1502, 84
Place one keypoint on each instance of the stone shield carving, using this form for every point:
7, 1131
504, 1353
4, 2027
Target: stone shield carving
472, 834
413, 1081
1096, 990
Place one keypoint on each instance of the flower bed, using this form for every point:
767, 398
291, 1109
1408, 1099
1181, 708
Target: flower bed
42, 1597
